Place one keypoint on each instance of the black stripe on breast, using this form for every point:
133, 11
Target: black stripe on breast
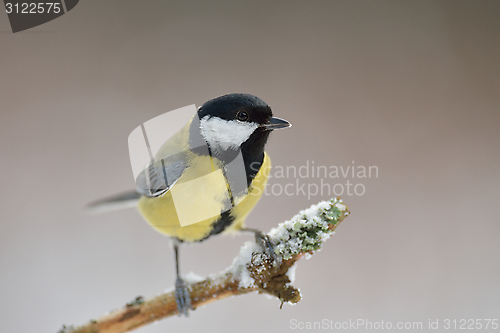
225, 220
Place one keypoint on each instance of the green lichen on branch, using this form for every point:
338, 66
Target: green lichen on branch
306, 231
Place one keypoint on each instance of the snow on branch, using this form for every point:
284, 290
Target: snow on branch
252, 270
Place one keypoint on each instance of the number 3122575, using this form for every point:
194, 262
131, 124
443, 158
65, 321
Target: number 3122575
33, 8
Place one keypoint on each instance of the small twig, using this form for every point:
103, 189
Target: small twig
252, 270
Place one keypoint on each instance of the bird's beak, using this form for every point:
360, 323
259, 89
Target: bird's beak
276, 123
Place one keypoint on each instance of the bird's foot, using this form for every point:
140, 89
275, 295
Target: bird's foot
268, 246
182, 297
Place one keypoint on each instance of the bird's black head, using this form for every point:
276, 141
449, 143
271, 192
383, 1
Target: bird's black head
238, 121
243, 108
235, 120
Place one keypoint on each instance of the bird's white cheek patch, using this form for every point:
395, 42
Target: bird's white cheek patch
226, 134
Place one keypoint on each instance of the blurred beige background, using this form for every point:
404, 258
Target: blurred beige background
412, 87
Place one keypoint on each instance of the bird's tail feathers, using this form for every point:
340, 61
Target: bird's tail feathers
116, 202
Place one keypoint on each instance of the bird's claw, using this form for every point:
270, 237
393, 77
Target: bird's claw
182, 297
268, 246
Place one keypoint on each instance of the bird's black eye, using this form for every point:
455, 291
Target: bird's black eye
242, 116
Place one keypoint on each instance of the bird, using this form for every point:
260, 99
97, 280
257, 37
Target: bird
206, 178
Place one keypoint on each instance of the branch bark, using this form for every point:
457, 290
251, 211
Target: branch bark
252, 270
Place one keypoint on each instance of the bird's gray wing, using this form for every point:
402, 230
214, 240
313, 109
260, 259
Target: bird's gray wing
160, 176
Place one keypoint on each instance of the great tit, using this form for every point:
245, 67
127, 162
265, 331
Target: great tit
207, 177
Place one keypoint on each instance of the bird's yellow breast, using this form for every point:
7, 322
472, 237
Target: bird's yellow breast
187, 200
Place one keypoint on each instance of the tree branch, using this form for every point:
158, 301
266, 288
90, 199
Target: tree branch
252, 270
